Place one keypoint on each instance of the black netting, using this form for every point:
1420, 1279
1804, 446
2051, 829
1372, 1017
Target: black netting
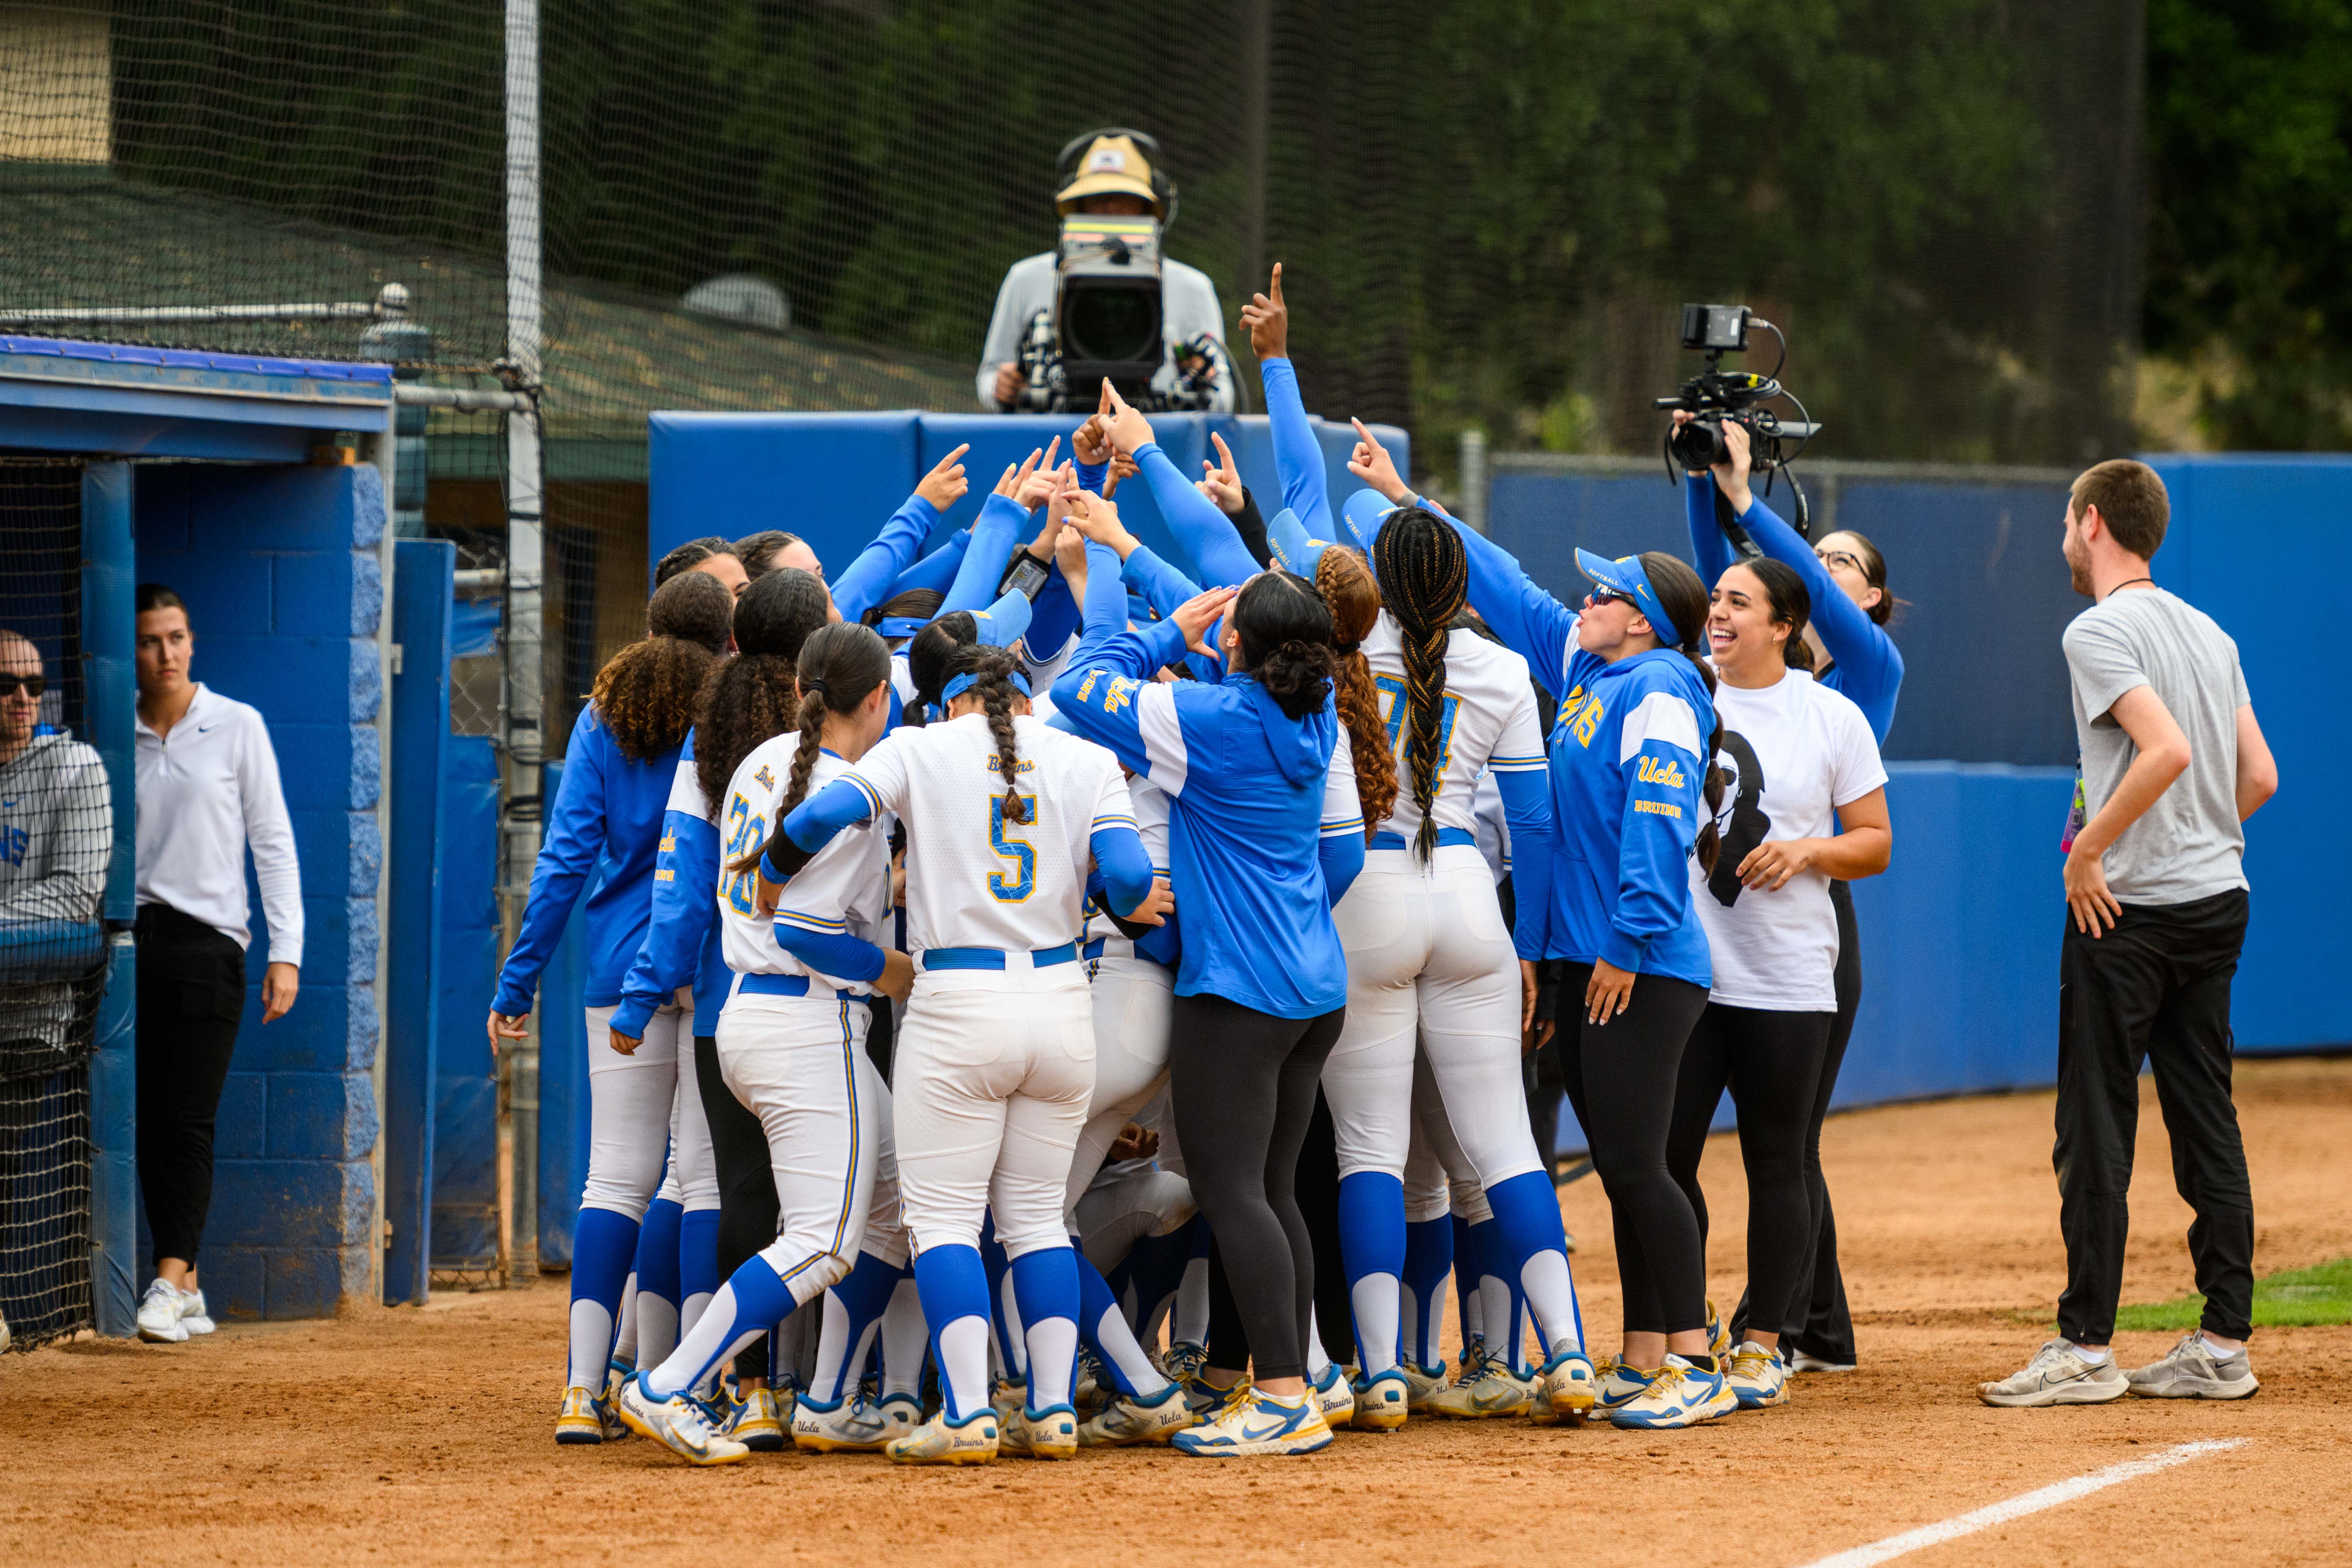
57, 833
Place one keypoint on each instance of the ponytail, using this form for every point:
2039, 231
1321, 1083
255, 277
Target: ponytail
1684, 598
840, 664
1353, 596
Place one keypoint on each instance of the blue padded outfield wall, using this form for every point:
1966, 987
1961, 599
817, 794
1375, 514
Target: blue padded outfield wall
279, 569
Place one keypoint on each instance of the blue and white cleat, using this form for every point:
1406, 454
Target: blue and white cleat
1127, 1422
1382, 1401
580, 1419
1759, 1379
755, 1424
1492, 1392
844, 1426
940, 1441
1259, 1424
678, 1425
1680, 1395
1048, 1434
1566, 1389
1333, 1396
902, 1412
1423, 1383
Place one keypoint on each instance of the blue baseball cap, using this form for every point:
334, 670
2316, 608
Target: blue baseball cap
1293, 551
1625, 578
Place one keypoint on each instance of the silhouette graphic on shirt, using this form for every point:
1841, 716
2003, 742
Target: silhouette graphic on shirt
1741, 823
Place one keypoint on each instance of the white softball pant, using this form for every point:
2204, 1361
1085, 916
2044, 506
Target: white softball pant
994, 1071
1132, 998
692, 1183
631, 1099
1429, 957
800, 1065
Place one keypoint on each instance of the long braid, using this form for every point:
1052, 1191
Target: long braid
1424, 573
804, 755
1347, 586
840, 665
991, 672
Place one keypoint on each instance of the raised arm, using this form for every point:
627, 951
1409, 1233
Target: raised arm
1298, 455
1531, 623
1711, 551
870, 577
936, 571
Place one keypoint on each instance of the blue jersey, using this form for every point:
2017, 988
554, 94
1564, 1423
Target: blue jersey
1868, 671
682, 939
1629, 748
608, 815
1265, 831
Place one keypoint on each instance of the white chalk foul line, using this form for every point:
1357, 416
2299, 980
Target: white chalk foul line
2019, 1507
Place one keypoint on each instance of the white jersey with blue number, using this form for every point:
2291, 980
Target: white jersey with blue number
845, 887
1486, 719
973, 877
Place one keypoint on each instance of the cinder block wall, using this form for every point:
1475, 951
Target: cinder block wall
279, 569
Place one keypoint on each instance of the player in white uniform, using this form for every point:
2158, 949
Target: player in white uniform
995, 1065
1429, 958
792, 1045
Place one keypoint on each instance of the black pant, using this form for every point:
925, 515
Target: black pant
1243, 1085
1317, 1190
2155, 988
1620, 1079
1771, 1062
1819, 1321
748, 1209
191, 998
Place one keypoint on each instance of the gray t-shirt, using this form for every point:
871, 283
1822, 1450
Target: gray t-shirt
2188, 843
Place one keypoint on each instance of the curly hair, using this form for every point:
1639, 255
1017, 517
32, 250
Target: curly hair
1427, 574
753, 696
1347, 586
646, 694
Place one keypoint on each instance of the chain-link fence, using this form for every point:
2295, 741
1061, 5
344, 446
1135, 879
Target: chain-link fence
56, 834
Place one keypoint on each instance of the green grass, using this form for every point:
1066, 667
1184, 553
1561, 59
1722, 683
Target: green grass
2300, 1298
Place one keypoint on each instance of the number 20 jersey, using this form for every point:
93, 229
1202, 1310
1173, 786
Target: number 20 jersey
845, 887
974, 877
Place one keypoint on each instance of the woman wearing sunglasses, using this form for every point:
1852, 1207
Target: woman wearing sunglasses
1845, 577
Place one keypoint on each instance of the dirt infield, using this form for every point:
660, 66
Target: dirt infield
413, 1436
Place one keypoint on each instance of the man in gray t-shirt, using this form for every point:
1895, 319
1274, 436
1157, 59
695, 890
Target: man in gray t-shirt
2172, 764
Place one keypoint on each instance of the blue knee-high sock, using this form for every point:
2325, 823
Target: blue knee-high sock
1428, 1257
1526, 1216
1156, 1266
1466, 1274
1371, 1249
1009, 1349
1508, 1338
1107, 1333
746, 1306
954, 1289
697, 1266
853, 1309
1045, 1293
657, 1281
601, 1244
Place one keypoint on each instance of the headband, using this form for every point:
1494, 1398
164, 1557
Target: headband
965, 682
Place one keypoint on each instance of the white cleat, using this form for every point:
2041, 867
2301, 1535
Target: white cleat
676, 1424
850, 1426
940, 1442
904, 1412
1126, 1422
160, 1314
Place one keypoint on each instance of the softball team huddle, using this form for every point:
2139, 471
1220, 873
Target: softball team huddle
973, 943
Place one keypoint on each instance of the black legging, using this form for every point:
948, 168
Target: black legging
1317, 1190
191, 997
1819, 1323
748, 1209
1243, 1083
1620, 1079
1771, 1062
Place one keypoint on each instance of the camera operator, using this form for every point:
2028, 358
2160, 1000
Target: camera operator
1113, 178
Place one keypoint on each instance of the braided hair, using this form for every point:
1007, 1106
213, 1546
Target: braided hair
1684, 598
751, 697
1347, 586
992, 672
1426, 574
646, 693
929, 653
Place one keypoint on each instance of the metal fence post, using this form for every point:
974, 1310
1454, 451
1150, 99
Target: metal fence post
1473, 478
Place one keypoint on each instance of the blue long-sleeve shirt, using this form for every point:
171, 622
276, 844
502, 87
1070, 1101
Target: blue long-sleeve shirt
993, 533
1265, 833
1869, 667
1629, 762
1298, 454
608, 813
682, 938
936, 571
1206, 534
870, 577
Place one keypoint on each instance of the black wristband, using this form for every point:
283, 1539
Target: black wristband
792, 858
1250, 525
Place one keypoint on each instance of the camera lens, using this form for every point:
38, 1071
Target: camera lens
1111, 325
1699, 443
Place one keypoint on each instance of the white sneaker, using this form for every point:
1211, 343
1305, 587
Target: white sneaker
1802, 1362
1758, 1379
2057, 1375
2191, 1371
193, 1315
160, 1314
676, 1424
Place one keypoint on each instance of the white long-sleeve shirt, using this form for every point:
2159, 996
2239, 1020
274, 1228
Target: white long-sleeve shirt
206, 791
1188, 305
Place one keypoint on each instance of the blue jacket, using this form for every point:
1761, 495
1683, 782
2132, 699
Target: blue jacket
1869, 668
1256, 855
608, 813
1629, 755
682, 941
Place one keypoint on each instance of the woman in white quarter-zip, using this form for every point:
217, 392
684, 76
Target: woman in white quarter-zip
209, 791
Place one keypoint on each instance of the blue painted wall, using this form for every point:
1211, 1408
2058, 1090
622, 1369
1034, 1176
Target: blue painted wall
466, 1075
279, 569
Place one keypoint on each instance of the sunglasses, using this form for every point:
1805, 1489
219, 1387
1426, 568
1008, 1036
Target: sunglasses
1601, 595
1834, 559
31, 685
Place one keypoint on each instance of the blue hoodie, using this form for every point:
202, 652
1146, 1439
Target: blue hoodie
1265, 833
1629, 750
608, 813
1869, 668
682, 941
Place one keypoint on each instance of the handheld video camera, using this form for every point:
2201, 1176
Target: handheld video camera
1106, 323
1717, 397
